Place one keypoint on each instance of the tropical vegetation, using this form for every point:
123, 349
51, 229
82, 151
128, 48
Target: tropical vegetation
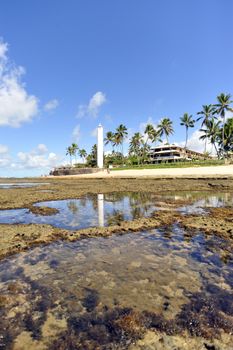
216, 129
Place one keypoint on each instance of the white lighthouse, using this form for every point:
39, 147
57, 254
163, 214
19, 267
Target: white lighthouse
100, 147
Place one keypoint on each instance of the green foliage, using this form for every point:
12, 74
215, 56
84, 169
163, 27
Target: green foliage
92, 157
165, 128
180, 164
114, 159
83, 154
187, 121
226, 146
223, 106
214, 127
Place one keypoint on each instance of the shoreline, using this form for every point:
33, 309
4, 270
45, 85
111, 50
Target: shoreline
202, 172
220, 171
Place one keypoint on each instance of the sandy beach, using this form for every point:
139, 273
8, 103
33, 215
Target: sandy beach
192, 172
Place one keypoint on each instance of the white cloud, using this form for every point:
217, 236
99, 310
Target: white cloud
229, 114
50, 105
97, 100
5, 158
93, 107
195, 144
38, 161
76, 133
3, 149
42, 149
38, 158
4, 162
16, 105
3, 49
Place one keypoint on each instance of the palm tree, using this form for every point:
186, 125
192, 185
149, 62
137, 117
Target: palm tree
156, 136
82, 154
206, 113
149, 132
188, 122
211, 132
223, 106
228, 136
116, 141
92, 156
70, 152
75, 150
109, 139
135, 145
121, 133
165, 128
94, 151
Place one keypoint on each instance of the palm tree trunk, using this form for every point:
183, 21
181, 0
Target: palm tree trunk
144, 150
186, 138
205, 145
216, 149
223, 134
122, 152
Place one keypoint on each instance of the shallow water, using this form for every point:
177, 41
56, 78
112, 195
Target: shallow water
88, 211
203, 201
113, 208
21, 184
104, 293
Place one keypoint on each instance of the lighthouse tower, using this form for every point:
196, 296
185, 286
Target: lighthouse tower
100, 147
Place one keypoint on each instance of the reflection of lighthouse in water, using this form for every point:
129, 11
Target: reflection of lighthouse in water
101, 210
100, 147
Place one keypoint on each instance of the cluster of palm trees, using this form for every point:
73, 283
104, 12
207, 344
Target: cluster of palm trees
214, 127
139, 144
74, 150
116, 139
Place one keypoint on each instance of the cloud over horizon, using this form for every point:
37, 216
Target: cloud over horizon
17, 106
37, 158
195, 144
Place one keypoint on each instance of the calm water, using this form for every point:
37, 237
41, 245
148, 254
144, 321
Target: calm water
110, 209
21, 184
88, 211
105, 293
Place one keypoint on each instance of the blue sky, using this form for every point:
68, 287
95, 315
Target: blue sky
66, 66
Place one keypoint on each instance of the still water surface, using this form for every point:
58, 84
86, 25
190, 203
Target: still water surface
113, 208
21, 184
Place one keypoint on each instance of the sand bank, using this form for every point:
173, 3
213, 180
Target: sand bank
208, 171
